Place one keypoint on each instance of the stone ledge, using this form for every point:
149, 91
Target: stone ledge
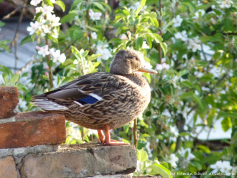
86, 160
33, 128
8, 101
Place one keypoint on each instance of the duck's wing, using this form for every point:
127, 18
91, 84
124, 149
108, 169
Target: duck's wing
87, 89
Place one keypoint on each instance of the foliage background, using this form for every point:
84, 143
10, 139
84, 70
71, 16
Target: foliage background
197, 39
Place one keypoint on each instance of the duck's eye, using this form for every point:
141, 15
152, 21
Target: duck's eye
130, 57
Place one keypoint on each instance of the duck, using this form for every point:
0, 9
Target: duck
101, 100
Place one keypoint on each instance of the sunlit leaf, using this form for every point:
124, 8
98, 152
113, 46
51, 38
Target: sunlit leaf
61, 5
159, 169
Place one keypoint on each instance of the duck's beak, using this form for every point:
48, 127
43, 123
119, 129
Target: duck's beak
147, 70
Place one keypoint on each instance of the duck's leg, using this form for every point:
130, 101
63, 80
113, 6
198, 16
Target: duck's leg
109, 141
101, 136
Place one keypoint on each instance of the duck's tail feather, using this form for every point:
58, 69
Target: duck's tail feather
47, 104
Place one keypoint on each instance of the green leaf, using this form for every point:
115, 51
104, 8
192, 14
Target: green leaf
14, 79
204, 148
61, 4
48, 2
92, 28
5, 47
186, 95
226, 114
37, 15
99, 6
142, 155
182, 72
198, 100
159, 169
187, 84
27, 40
197, 165
139, 43
164, 48
143, 2
68, 18
77, 34
107, 6
226, 124
183, 134
93, 56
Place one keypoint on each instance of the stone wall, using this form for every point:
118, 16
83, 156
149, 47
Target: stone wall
31, 147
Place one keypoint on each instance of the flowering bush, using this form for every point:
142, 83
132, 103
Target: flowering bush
192, 45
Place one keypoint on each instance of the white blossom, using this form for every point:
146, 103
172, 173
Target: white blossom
35, 2
104, 51
46, 10
55, 33
181, 35
173, 160
94, 35
44, 50
199, 13
162, 66
94, 15
58, 57
34, 26
144, 45
182, 153
222, 166
225, 3
194, 44
174, 131
177, 21
137, 5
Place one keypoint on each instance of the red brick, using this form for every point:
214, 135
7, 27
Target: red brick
33, 128
8, 101
8, 167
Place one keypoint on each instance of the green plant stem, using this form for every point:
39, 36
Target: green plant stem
50, 71
135, 131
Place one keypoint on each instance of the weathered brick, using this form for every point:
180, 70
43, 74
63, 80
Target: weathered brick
33, 128
8, 168
8, 101
86, 160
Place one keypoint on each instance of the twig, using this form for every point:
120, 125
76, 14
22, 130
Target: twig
13, 12
50, 71
159, 20
16, 33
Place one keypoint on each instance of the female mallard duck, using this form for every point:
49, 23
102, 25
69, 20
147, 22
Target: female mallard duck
101, 100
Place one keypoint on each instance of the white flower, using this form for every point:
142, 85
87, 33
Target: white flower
35, 2
51, 51
58, 57
183, 35
54, 20
225, 3
55, 33
194, 44
123, 37
144, 45
173, 160
52, 1
44, 50
199, 13
177, 21
174, 131
94, 15
34, 26
94, 35
162, 66
223, 166
46, 9
105, 53
137, 5
182, 152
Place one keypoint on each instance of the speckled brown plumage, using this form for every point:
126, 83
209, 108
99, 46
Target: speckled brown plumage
116, 98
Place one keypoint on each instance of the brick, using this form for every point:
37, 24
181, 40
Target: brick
33, 128
8, 168
85, 160
8, 101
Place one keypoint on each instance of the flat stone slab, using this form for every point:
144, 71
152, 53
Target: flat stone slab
84, 160
7, 167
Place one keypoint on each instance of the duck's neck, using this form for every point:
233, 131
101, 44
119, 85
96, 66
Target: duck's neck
136, 78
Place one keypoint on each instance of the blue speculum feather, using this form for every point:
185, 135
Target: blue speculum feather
87, 100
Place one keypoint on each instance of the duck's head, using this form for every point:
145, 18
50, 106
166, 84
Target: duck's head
127, 62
